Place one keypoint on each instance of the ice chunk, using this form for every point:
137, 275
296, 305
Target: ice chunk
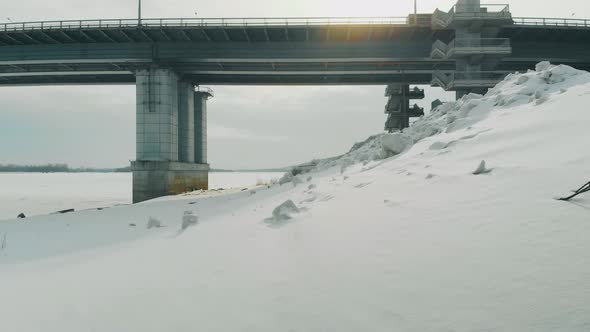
189, 219
288, 177
542, 66
154, 223
282, 213
396, 143
285, 210
481, 169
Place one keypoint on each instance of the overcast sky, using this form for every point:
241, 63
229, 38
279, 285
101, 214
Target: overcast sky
249, 127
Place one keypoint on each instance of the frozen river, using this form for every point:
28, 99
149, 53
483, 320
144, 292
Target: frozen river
41, 193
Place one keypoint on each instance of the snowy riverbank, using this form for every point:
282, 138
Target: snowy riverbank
375, 242
43, 193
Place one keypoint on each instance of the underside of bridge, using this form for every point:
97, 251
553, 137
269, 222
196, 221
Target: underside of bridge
468, 49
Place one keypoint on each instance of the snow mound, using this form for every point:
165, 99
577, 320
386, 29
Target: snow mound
283, 213
534, 87
376, 249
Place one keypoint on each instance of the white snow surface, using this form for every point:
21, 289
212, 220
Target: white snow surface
44, 193
413, 242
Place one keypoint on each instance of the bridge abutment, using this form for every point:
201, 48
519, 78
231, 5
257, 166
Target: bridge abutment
167, 140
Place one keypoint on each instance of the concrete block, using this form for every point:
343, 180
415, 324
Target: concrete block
152, 179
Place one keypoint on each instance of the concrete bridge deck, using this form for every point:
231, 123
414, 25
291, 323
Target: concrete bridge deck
264, 50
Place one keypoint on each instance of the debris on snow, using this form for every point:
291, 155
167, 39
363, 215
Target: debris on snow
64, 211
188, 220
481, 169
3, 243
283, 213
154, 223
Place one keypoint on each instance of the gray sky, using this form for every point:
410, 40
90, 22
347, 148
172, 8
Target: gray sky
249, 127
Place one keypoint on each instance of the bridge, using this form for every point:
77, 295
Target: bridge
467, 49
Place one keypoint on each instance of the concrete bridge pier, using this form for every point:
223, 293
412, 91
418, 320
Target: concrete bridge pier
171, 136
398, 107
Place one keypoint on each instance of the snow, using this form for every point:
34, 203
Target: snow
412, 242
283, 213
395, 143
38, 194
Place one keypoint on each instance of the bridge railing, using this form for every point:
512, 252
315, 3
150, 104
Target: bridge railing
483, 9
245, 22
543, 21
201, 22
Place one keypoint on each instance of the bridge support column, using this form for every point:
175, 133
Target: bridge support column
398, 108
186, 122
165, 162
200, 125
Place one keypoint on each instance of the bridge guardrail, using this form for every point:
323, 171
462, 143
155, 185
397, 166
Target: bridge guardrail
269, 22
201, 22
484, 9
544, 21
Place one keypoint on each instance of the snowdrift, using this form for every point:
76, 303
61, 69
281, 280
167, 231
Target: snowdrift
450, 225
533, 88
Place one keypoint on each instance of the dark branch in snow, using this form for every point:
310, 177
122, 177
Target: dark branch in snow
583, 189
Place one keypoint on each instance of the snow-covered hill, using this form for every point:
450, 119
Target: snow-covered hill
396, 235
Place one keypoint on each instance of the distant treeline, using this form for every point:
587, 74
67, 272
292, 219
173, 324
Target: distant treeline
64, 168
58, 168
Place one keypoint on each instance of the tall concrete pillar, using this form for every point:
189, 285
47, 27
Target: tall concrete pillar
200, 124
157, 115
186, 122
165, 162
